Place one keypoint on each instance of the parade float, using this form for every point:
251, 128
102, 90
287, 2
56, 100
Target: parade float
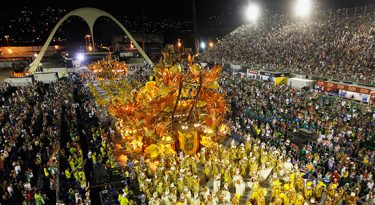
109, 68
178, 109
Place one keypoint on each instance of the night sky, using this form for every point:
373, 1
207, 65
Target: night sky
154, 10
174, 9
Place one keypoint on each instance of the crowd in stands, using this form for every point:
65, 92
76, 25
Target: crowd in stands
29, 142
329, 46
344, 152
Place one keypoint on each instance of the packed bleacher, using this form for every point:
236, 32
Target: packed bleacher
334, 46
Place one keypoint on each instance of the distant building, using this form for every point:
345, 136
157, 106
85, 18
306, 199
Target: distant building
25, 51
153, 44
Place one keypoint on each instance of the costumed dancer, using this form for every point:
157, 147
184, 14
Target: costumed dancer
225, 194
216, 184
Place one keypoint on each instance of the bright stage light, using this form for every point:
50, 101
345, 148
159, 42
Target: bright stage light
203, 45
80, 57
252, 12
303, 8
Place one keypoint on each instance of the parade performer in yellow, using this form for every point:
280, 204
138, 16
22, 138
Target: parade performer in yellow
285, 198
236, 200
253, 166
308, 192
299, 183
332, 190
122, 198
261, 200
319, 188
299, 200
276, 188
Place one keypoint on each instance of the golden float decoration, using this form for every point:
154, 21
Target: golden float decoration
177, 110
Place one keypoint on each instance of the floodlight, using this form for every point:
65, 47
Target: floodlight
303, 8
252, 12
80, 57
203, 45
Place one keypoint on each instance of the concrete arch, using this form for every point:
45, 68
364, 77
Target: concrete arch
89, 15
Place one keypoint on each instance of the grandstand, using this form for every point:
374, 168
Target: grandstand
334, 46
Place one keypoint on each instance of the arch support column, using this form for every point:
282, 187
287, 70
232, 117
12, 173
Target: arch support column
89, 15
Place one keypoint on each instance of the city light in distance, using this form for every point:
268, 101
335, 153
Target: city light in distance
252, 12
211, 44
303, 8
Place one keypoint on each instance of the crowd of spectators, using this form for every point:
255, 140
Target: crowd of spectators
29, 135
344, 149
329, 46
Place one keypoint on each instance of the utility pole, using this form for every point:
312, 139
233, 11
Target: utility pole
195, 28
143, 22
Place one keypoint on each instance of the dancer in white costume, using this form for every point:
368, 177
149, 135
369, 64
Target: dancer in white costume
187, 193
215, 199
225, 194
165, 199
236, 177
216, 184
240, 187
195, 200
155, 199
205, 193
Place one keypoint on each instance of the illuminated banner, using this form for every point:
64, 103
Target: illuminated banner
19, 81
328, 86
251, 73
372, 98
355, 96
46, 77
274, 74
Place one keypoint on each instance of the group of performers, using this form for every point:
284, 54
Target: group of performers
248, 173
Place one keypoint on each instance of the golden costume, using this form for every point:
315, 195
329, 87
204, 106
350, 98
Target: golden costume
308, 192
276, 189
351, 198
319, 188
236, 200
299, 200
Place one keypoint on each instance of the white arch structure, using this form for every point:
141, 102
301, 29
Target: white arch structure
89, 15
